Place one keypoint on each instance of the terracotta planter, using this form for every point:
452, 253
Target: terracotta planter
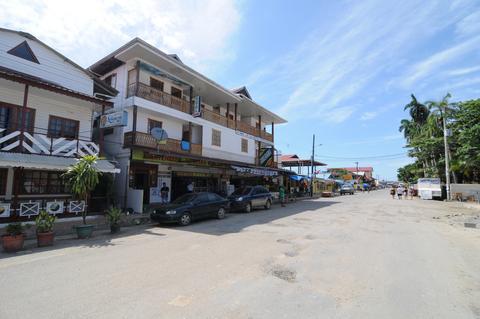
13, 243
45, 239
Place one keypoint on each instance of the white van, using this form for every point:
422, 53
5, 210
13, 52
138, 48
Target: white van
429, 188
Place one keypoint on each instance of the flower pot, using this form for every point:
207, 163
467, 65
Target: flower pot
84, 231
114, 228
45, 239
13, 243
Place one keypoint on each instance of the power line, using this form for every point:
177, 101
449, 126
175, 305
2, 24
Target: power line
386, 156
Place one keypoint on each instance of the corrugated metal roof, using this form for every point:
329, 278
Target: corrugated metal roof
55, 163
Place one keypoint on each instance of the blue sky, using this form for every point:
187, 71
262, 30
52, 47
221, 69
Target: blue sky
339, 69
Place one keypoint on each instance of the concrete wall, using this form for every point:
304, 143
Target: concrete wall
466, 189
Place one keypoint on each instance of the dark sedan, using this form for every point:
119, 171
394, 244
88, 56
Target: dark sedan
249, 197
190, 207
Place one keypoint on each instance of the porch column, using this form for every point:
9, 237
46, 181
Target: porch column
137, 79
228, 113
236, 105
273, 132
191, 99
259, 125
10, 182
23, 116
134, 125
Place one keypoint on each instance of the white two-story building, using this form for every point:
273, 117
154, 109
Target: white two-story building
47, 103
217, 137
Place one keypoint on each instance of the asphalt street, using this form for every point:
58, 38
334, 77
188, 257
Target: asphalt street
360, 256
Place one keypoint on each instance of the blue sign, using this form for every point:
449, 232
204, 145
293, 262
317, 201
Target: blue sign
114, 119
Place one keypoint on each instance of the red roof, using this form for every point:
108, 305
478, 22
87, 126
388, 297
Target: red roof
291, 157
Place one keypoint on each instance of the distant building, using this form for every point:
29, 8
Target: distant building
366, 172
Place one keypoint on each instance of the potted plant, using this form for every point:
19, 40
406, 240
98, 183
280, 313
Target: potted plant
44, 223
114, 217
82, 178
14, 238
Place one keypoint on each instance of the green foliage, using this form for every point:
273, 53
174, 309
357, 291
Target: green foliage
114, 215
82, 178
15, 229
45, 222
418, 111
425, 140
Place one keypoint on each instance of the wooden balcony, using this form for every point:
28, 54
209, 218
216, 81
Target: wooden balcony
149, 93
147, 141
42, 144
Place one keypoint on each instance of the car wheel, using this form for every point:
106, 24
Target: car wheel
268, 204
248, 208
221, 213
185, 219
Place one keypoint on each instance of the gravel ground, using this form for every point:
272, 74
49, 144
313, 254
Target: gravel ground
360, 256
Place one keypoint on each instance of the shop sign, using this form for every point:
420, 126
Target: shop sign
114, 119
266, 157
255, 171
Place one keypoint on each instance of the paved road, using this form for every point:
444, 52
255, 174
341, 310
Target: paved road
361, 256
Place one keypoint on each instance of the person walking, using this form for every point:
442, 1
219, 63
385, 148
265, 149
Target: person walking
281, 195
164, 191
392, 192
400, 190
190, 187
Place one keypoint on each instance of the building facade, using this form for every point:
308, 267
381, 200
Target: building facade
182, 128
47, 107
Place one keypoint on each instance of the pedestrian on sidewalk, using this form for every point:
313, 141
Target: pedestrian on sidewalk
281, 195
164, 193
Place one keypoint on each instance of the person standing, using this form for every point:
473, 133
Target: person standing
164, 191
400, 192
190, 187
281, 195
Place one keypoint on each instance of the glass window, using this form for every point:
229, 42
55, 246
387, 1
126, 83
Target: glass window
156, 84
43, 182
202, 198
61, 127
111, 80
176, 92
244, 145
216, 137
153, 123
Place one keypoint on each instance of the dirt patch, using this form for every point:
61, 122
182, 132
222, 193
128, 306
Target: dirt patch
281, 272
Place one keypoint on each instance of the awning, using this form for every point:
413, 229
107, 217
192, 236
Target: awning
54, 163
297, 177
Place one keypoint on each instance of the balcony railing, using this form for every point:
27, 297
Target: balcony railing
145, 140
149, 93
42, 144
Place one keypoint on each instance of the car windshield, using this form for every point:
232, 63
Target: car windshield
184, 199
242, 191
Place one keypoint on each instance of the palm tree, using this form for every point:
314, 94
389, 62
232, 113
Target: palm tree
82, 178
418, 111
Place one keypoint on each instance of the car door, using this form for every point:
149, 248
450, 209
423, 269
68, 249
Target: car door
201, 208
257, 197
216, 201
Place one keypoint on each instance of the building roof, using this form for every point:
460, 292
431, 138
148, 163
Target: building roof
294, 161
138, 46
242, 91
21, 77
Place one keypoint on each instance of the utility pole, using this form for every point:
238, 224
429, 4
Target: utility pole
313, 160
445, 142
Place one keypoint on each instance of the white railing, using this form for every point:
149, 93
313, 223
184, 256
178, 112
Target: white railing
36, 143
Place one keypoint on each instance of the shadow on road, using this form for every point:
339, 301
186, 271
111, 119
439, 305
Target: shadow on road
236, 222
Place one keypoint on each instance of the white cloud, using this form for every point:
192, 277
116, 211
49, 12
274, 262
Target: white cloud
368, 116
198, 31
339, 114
463, 71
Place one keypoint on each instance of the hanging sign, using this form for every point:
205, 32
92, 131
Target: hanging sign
266, 157
254, 171
54, 207
114, 119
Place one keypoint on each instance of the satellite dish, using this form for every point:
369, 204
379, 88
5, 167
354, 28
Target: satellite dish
159, 134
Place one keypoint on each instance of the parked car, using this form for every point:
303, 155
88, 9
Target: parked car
347, 189
249, 197
190, 207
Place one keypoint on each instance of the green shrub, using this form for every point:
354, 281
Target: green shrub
45, 222
114, 215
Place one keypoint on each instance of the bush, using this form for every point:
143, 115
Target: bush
114, 215
15, 229
45, 222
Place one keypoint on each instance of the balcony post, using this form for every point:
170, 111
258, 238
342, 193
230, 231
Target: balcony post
260, 126
228, 113
273, 132
101, 137
134, 125
236, 106
191, 99
23, 116
137, 79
